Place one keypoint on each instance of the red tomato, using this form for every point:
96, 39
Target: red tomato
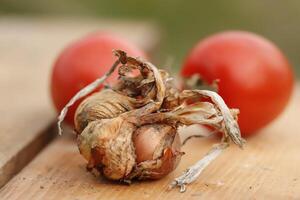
81, 63
254, 75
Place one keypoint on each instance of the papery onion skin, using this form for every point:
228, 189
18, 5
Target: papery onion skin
158, 144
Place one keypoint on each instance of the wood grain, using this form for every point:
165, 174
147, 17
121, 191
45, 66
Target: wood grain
268, 168
28, 47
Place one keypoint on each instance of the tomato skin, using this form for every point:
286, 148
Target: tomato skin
254, 75
81, 63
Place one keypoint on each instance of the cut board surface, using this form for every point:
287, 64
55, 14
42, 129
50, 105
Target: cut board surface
268, 168
28, 48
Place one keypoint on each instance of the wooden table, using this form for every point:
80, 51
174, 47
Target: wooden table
268, 167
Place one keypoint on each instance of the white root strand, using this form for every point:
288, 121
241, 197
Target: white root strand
192, 173
83, 92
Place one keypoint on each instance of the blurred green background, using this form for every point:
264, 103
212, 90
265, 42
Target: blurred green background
183, 23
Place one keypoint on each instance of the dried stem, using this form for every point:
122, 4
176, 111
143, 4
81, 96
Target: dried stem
230, 125
192, 173
133, 116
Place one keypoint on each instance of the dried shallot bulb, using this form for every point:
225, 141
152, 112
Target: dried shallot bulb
129, 131
123, 152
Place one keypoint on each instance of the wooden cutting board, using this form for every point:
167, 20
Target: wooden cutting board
268, 167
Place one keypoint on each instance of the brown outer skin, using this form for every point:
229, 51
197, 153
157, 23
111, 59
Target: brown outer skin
147, 139
105, 104
157, 148
170, 160
107, 145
